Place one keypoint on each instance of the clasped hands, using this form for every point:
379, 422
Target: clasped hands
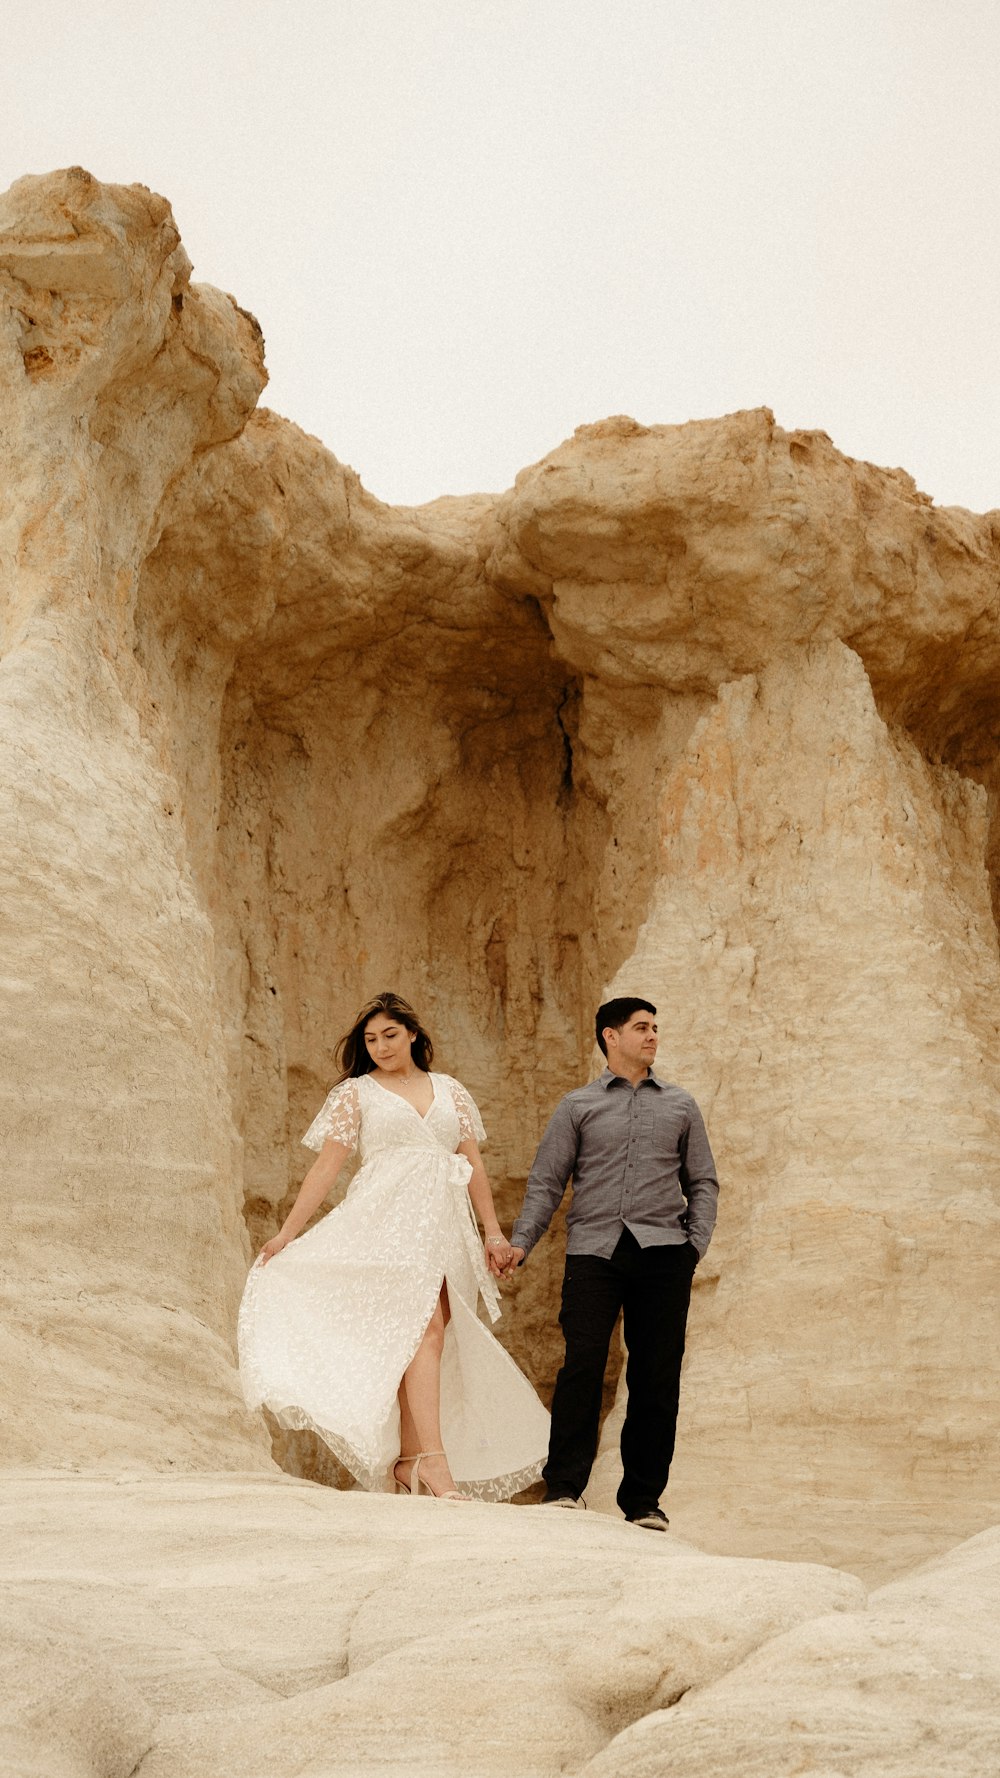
502, 1259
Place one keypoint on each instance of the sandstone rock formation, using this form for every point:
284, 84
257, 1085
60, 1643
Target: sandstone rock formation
705, 711
911, 1684
331, 1632
124, 1269
266, 1626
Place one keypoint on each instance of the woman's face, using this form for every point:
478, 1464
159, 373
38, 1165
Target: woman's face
388, 1043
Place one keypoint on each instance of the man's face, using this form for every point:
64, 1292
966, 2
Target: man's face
635, 1044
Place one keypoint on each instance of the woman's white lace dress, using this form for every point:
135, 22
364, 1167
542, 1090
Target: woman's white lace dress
329, 1325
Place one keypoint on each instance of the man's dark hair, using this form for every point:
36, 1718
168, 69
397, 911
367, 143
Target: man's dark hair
617, 1013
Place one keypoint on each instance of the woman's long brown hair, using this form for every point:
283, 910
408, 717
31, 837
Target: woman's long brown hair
352, 1051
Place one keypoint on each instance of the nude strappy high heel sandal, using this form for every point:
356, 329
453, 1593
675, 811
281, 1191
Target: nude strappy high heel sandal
415, 1482
400, 1487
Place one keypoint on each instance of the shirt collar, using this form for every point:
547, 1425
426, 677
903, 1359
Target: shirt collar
608, 1079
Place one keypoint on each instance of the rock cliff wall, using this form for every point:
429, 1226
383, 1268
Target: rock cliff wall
124, 1261
704, 711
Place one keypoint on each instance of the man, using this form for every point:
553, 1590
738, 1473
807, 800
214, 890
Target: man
644, 1203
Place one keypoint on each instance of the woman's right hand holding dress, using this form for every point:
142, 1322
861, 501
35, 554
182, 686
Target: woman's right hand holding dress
312, 1191
270, 1248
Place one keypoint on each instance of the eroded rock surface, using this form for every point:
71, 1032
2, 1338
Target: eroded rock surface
911, 1684
822, 881
266, 1626
270, 1626
124, 1256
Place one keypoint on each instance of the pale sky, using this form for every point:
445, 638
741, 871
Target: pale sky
468, 226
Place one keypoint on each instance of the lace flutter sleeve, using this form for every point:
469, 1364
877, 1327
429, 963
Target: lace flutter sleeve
339, 1119
469, 1121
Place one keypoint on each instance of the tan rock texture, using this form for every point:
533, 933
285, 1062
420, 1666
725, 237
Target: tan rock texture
823, 883
909, 1685
267, 1626
124, 1259
706, 711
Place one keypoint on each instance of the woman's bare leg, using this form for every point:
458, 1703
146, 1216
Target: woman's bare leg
408, 1441
420, 1403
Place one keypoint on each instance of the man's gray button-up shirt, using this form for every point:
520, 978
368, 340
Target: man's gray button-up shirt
639, 1159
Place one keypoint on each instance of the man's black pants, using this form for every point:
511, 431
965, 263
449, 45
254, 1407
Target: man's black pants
652, 1288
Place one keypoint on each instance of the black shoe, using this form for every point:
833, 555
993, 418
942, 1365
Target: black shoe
565, 1500
651, 1520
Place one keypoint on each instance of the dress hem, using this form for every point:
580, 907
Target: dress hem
379, 1481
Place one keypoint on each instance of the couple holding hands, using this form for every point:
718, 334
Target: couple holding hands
366, 1330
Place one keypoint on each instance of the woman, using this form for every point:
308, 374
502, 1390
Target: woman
365, 1330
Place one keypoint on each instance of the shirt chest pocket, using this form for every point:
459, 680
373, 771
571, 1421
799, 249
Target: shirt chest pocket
662, 1137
